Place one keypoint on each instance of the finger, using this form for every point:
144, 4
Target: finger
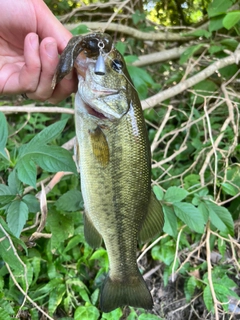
30, 72
49, 60
67, 86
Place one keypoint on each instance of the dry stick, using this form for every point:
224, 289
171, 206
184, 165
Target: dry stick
152, 36
209, 267
202, 75
213, 151
159, 131
151, 245
31, 108
21, 262
156, 57
210, 153
176, 252
115, 13
25, 294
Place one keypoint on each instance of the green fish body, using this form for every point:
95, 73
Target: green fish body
115, 170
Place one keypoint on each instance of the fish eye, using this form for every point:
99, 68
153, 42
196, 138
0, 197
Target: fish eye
117, 65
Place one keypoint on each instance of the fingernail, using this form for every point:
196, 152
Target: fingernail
34, 41
51, 49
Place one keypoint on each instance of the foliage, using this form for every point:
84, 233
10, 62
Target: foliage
45, 262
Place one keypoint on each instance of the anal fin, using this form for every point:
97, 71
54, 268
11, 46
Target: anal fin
153, 222
92, 236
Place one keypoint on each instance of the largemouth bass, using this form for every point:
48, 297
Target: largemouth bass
115, 167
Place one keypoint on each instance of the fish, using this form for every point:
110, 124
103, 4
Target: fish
120, 208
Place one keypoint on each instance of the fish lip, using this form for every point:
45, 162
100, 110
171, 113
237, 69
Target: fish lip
98, 92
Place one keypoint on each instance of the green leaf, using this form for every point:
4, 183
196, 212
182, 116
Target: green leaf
175, 194
190, 215
220, 217
55, 298
32, 202
231, 19
3, 135
164, 253
113, 315
189, 52
14, 183
4, 315
70, 201
170, 221
204, 88
7, 252
17, 214
49, 158
45, 136
200, 33
148, 316
94, 296
216, 23
62, 227
207, 297
229, 188
189, 287
217, 7
27, 171
81, 29
86, 312
158, 192
130, 59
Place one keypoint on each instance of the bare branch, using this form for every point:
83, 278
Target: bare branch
31, 108
180, 87
153, 36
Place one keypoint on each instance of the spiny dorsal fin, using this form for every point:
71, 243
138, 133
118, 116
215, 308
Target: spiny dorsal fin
153, 222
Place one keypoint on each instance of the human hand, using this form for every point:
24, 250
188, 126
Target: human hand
30, 40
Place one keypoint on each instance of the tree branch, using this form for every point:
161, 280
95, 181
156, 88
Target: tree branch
153, 36
202, 75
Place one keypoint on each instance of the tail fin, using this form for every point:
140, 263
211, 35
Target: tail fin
130, 292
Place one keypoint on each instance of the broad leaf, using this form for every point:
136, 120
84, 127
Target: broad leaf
175, 194
86, 312
218, 7
190, 215
45, 136
231, 19
170, 221
17, 214
27, 171
220, 217
70, 201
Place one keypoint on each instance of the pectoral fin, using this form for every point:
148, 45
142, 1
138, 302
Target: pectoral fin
92, 236
153, 222
99, 146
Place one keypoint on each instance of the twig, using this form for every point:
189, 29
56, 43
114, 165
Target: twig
209, 267
180, 87
153, 36
159, 131
176, 252
150, 246
21, 262
25, 294
30, 108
